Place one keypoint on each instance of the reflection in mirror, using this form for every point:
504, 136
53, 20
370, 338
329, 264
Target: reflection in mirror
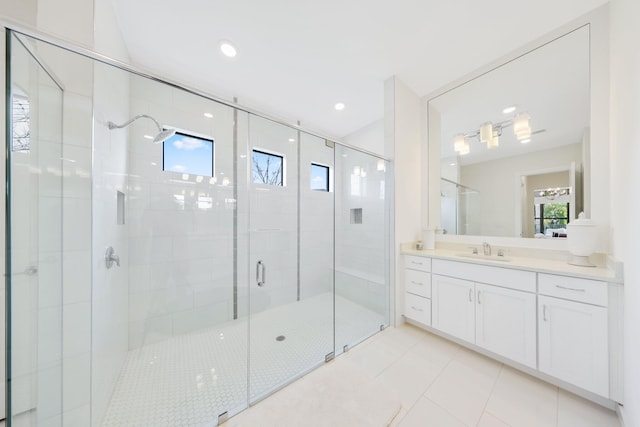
513, 144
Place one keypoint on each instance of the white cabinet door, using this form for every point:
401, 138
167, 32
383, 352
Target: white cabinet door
506, 323
453, 307
573, 343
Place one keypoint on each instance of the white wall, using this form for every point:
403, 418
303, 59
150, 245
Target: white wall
403, 134
370, 138
498, 184
625, 204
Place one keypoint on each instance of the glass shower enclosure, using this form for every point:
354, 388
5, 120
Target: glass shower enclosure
174, 282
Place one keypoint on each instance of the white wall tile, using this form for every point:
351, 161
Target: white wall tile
77, 329
76, 383
76, 276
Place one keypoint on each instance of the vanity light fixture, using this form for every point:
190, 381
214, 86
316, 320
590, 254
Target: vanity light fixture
208, 115
490, 133
486, 132
522, 126
459, 143
466, 148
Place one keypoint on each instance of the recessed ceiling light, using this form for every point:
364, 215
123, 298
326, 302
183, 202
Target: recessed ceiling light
509, 109
526, 141
452, 164
228, 49
208, 115
292, 140
339, 106
148, 136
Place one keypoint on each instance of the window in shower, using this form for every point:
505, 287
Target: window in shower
267, 168
21, 122
319, 177
188, 153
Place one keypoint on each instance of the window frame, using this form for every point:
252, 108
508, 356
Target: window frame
195, 135
283, 159
327, 169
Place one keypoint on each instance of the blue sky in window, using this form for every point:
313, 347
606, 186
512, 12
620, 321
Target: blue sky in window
188, 154
319, 177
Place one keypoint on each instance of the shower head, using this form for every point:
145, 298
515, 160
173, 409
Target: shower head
162, 135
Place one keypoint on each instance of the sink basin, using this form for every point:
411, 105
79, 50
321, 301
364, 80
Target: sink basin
485, 257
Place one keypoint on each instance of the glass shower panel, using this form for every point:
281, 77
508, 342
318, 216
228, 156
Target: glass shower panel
186, 361
361, 247
34, 240
291, 326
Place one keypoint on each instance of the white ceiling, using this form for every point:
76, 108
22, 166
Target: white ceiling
298, 58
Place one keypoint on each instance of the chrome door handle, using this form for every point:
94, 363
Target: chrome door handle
479, 298
470, 295
417, 283
544, 312
261, 278
416, 308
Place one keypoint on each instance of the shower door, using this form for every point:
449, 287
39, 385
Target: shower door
34, 239
291, 326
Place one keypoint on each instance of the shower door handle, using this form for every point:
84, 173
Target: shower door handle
261, 273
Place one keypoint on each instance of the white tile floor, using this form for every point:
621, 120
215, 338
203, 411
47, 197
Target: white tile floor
191, 379
408, 377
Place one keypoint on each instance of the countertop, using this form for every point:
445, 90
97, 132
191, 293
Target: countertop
539, 265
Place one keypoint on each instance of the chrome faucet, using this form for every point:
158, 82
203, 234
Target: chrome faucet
487, 248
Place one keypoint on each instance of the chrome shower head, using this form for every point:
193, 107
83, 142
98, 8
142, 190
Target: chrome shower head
162, 135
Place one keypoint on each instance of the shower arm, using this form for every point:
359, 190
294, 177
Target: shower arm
128, 122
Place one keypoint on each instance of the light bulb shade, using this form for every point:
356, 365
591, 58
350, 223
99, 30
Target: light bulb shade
522, 125
486, 132
465, 148
459, 142
493, 143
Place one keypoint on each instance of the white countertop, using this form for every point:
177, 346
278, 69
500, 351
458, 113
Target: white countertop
539, 265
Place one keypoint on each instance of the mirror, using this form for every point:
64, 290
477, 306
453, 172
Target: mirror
512, 145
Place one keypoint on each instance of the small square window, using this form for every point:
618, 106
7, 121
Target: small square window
187, 153
319, 177
267, 168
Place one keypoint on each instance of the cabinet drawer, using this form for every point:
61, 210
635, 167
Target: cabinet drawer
417, 282
574, 289
417, 263
519, 280
417, 308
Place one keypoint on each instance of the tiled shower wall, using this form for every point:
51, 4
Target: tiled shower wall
180, 225
361, 270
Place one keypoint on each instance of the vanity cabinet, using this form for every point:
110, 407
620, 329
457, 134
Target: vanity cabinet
417, 285
497, 319
506, 323
453, 307
560, 327
573, 331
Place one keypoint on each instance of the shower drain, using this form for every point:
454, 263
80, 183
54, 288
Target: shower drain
280, 338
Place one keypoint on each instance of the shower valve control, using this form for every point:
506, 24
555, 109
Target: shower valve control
110, 258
